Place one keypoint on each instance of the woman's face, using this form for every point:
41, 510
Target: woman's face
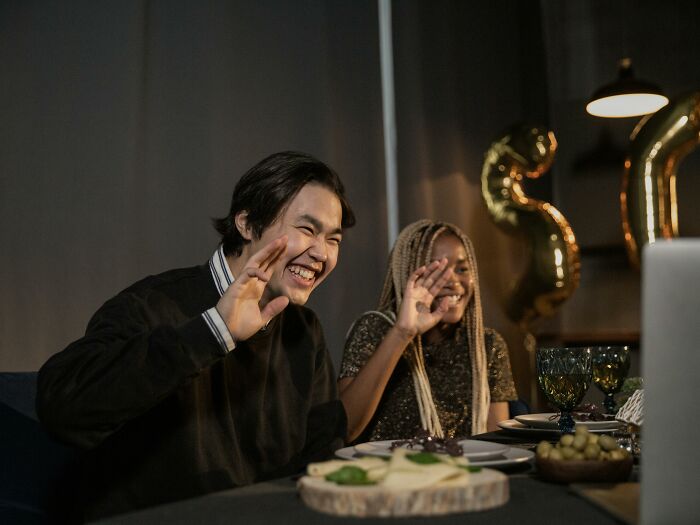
460, 289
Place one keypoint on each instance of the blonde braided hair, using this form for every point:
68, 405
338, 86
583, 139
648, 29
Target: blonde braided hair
413, 248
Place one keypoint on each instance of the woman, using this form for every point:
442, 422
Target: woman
455, 380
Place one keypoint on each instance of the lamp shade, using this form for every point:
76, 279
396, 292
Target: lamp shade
627, 96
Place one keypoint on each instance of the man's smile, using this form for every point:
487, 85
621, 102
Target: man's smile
304, 275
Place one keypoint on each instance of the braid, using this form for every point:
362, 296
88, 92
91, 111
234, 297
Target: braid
474, 323
413, 249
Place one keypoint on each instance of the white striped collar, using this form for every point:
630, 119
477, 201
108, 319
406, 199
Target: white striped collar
220, 270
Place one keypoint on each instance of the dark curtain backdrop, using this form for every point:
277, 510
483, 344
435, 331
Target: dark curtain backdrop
125, 126
464, 72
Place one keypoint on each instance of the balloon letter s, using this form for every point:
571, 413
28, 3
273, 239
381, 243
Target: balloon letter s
552, 273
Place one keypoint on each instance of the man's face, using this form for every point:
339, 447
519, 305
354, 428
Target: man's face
460, 289
312, 223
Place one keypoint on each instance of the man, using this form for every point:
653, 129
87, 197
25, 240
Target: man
211, 377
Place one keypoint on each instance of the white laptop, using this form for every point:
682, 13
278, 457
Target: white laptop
670, 346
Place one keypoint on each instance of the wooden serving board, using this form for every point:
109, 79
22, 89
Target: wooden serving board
485, 489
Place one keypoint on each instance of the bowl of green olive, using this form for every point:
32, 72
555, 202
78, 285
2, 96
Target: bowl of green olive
583, 457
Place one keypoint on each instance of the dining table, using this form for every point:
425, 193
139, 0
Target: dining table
532, 500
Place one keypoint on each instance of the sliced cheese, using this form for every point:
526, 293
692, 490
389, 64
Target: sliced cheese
407, 474
428, 476
400, 472
373, 465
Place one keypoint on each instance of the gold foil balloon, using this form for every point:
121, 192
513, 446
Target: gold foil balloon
552, 271
648, 198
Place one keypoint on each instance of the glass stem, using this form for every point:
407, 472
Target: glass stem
609, 403
566, 423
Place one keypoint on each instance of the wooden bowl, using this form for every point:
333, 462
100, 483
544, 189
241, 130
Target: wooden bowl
577, 470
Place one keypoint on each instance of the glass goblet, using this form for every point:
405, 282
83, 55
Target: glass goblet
564, 375
610, 367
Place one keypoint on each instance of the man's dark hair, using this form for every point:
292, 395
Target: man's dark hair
268, 187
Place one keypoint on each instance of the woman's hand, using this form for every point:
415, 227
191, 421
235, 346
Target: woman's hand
415, 316
361, 394
240, 305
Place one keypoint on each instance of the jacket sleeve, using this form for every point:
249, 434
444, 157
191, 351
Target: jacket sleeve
327, 421
124, 365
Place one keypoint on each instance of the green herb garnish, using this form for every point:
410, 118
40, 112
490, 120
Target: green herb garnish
470, 468
423, 458
349, 476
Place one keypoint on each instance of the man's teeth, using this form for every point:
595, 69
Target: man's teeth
302, 272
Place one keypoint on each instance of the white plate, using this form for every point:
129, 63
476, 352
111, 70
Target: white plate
546, 421
511, 425
512, 456
472, 449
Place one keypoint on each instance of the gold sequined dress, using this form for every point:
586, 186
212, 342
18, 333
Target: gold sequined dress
449, 371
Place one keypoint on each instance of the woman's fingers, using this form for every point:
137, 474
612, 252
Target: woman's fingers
443, 305
441, 281
442, 308
416, 275
424, 279
432, 273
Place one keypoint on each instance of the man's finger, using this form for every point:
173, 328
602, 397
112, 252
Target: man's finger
269, 252
275, 256
273, 308
254, 273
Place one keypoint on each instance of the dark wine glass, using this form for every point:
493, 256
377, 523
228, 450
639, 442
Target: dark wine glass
610, 367
564, 375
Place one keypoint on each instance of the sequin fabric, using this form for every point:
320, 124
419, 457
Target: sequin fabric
449, 371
